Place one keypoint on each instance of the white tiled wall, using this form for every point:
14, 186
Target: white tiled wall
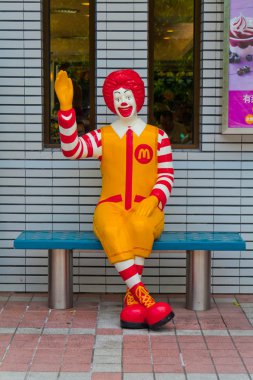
40, 189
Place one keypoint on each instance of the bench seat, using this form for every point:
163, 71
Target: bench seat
198, 245
213, 241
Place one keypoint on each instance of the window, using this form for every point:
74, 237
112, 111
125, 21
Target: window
174, 44
68, 44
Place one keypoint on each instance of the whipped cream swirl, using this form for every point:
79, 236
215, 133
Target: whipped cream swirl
241, 27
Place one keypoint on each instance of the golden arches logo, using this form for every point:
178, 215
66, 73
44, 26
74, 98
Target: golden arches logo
143, 153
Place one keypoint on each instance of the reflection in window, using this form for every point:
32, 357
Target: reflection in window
69, 44
174, 93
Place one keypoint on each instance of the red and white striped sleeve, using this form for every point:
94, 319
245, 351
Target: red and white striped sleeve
74, 147
165, 171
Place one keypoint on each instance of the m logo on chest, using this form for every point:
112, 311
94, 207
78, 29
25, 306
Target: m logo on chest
143, 153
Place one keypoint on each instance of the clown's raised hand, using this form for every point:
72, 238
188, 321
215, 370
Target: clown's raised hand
64, 90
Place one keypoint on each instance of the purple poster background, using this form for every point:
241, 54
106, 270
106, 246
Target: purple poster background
240, 98
240, 112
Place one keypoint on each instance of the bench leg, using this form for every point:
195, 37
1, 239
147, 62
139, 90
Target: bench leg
198, 278
60, 282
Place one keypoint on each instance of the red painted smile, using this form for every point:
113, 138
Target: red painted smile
125, 111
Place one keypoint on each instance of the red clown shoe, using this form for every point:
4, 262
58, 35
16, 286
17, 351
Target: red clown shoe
157, 313
133, 316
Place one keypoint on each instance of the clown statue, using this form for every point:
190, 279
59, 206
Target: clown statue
137, 178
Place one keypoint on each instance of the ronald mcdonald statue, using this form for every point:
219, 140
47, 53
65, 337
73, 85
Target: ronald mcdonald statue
137, 178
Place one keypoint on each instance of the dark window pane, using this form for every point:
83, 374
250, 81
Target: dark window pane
69, 44
174, 79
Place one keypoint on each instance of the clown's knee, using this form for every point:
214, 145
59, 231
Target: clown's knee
142, 224
109, 231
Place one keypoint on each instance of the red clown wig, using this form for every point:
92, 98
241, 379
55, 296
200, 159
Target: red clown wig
128, 79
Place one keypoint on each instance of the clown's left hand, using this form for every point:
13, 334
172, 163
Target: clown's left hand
147, 206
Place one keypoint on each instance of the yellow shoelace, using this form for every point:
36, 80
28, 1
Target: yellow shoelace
129, 299
144, 297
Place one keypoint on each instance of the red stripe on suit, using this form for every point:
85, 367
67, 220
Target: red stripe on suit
70, 121
165, 142
72, 152
68, 139
164, 158
89, 145
95, 136
160, 195
165, 170
165, 183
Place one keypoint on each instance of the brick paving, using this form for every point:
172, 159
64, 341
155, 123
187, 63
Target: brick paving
87, 343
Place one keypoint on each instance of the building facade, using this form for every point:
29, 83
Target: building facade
40, 189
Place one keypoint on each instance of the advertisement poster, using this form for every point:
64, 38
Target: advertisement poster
239, 78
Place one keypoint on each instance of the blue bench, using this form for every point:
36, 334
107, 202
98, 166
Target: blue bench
198, 245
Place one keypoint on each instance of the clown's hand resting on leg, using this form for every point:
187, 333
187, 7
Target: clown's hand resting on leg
147, 206
64, 90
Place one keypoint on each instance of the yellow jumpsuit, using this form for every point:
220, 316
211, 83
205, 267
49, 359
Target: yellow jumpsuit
129, 172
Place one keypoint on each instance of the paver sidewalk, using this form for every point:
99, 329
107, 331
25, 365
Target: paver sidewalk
86, 342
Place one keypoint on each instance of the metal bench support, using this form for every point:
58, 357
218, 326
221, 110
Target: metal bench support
60, 279
60, 288
198, 277
198, 259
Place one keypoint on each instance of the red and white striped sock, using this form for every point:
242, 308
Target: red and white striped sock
139, 263
129, 273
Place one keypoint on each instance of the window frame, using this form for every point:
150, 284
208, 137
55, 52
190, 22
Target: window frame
46, 69
196, 73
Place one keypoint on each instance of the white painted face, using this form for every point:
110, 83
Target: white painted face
124, 103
